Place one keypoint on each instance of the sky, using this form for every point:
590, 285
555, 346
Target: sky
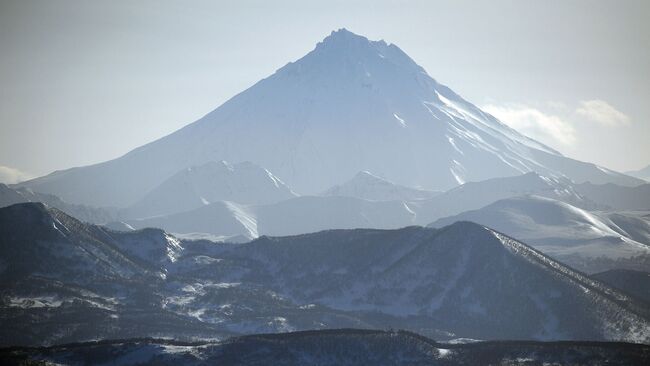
86, 81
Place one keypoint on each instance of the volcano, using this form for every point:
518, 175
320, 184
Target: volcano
349, 105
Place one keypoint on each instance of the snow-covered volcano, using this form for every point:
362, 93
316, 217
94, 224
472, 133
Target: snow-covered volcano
347, 106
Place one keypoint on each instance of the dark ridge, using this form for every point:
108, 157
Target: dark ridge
633, 304
326, 332
106, 342
636, 284
31, 206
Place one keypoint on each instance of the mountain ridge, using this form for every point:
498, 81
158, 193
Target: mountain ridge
336, 347
460, 281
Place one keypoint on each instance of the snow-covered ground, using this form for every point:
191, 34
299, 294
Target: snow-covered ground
566, 232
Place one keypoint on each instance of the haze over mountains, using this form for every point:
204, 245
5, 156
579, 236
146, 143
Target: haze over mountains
367, 201
367, 186
211, 182
347, 190
643, 173
349, 105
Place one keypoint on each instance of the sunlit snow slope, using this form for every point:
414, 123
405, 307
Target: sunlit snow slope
589, 241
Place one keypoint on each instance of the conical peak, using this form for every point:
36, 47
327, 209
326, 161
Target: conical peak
344, 36
342, 32
346, 58
344, 40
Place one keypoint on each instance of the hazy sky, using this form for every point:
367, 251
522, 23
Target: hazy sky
87, 81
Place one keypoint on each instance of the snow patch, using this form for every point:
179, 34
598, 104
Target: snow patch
400, 120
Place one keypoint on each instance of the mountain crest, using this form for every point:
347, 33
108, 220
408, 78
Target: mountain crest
343, 36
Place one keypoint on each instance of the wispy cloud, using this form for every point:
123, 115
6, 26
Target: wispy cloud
602, 112
555, 123
532, 122
10, 175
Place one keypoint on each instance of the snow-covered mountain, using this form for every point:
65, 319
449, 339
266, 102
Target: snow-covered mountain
66, 281
589, 241
474, 195
306, 214
349, 105
367, 186
197, 186
68, 249
345, 211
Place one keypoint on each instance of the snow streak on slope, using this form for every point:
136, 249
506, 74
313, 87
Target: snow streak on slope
220, 218
628, 326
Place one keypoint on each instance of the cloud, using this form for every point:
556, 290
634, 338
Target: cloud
602, 112
10, 175
534, 123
